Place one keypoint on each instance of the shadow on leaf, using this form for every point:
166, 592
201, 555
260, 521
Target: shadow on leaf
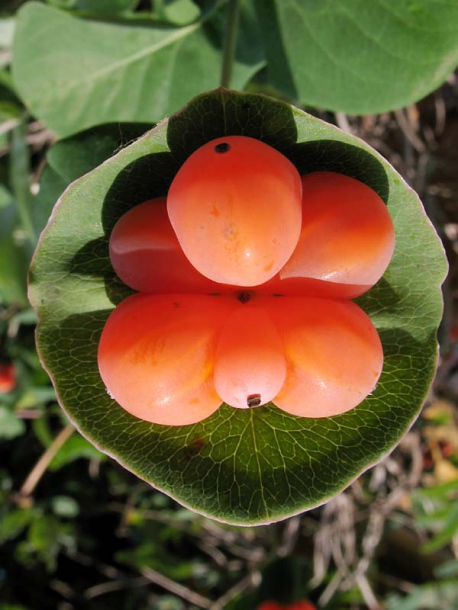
343, 158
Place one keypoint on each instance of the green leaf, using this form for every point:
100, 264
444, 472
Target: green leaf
449, 529
15, 522
46, 536
449, 569
356, 56
65, 506
429, 596
10, 425
6, 197
106, 6
79, 154
7, 93
20, 170
13, 258
240, 466
442, 492
97, 7
72, 157
52, 185
177, 11
74, 74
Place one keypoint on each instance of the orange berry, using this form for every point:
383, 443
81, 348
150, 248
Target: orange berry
250, 367
333, 352
156, 356
346, 242
310, 287
235, 205
146, 254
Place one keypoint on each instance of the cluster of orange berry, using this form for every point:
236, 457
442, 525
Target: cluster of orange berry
245, 273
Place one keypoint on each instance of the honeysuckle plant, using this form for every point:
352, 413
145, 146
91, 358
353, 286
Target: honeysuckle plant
242, 466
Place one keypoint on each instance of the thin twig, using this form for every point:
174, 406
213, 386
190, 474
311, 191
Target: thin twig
409, 131
218, 557
40, 467
176, 588
335, 539
116, 585
248, 582
342, 122
367, 593
9, 125
290, 536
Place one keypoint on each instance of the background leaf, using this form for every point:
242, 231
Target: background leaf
427, 597
10, 425
240, 466
74, 74
101, 7
177, 11
72, 157
13, 259
356, 56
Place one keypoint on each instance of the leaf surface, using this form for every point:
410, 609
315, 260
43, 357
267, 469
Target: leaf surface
72, 157
356, 56
74, 74
240, 466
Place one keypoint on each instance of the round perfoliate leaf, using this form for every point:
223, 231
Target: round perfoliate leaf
241, 466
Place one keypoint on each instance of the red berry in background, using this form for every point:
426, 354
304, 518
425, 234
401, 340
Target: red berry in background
7, 378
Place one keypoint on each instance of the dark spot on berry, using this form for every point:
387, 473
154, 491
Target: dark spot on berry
244, 297
223, 147
253, 400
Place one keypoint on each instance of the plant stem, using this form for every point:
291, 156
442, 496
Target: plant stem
170, 585
20, 179
230, 38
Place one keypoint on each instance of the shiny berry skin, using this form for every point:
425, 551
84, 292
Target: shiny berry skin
347, 237
235, 206
156, 356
